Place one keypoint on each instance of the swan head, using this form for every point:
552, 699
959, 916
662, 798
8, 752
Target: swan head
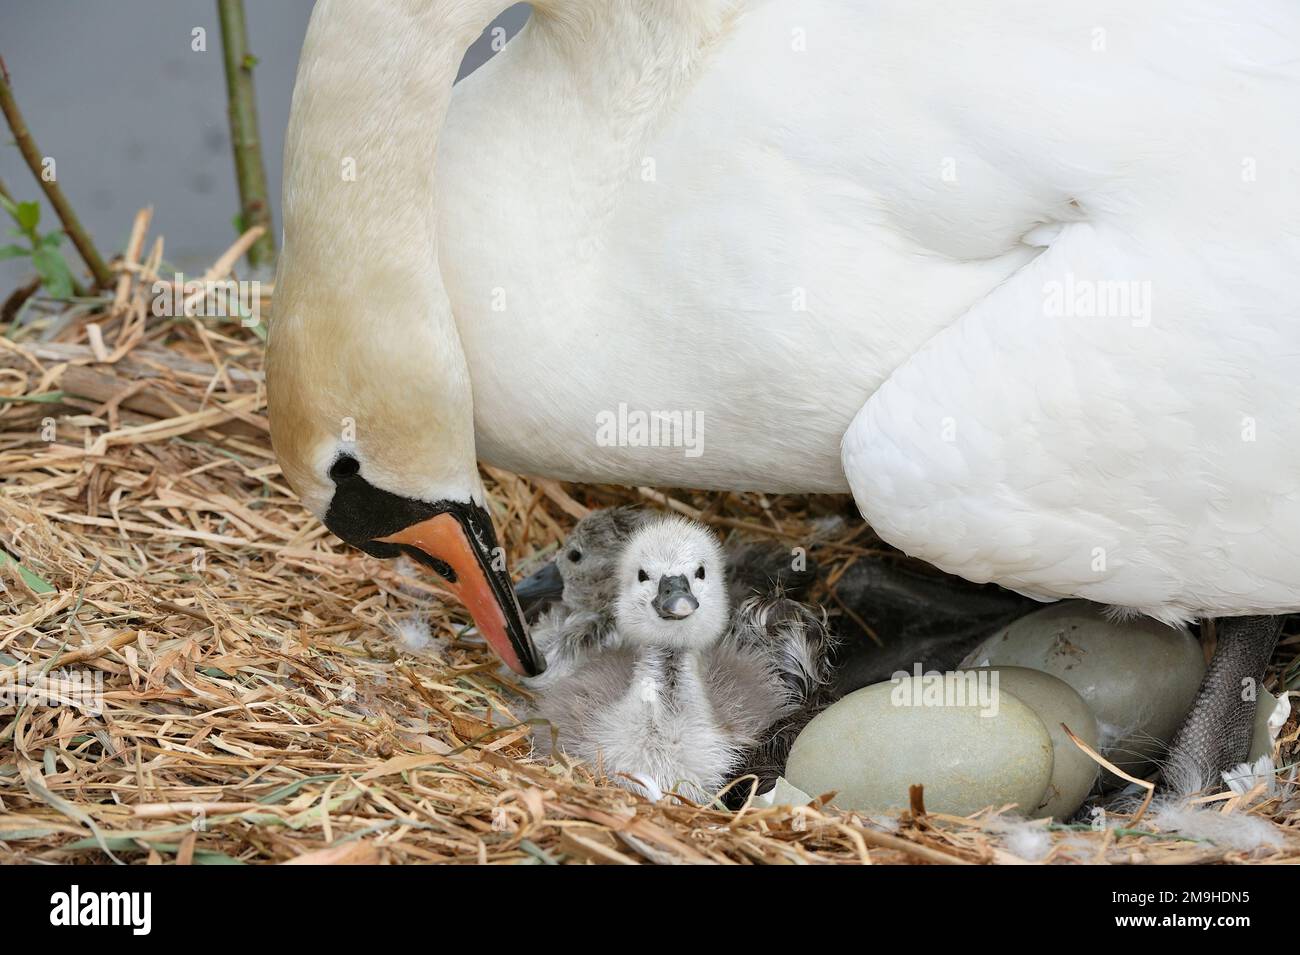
371, 406
672, 588
372, 422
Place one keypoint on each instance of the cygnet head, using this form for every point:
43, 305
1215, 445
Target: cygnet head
584, 571
672, 590
588, 562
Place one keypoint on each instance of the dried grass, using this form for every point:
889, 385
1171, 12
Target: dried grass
256, 704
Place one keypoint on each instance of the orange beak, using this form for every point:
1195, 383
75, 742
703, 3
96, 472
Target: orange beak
464, 541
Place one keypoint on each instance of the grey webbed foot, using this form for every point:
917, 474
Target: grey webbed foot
1216, 733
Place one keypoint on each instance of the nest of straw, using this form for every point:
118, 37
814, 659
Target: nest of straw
257, 704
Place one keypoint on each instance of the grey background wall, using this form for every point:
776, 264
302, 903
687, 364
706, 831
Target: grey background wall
134, 117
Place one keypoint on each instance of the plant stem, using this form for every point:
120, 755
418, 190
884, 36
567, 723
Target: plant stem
244, 140
71, 224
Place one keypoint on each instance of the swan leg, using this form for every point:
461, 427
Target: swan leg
1216, 733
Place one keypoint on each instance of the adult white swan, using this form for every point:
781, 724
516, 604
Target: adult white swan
1020, 275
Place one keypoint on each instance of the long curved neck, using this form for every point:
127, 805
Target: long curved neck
363, 328
371, 98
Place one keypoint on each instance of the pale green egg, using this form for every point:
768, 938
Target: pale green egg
1057, 704
968, 748
1138, 676
1261, 743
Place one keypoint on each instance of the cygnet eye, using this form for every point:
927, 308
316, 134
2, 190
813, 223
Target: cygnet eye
575, 556
699, 574
642, 576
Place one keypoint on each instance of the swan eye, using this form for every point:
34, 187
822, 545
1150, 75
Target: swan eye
575, 556
699, 574
344, 467
642, 576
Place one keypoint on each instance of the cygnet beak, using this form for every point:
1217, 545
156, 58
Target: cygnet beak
675, 600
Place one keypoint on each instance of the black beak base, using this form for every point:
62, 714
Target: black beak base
362, 514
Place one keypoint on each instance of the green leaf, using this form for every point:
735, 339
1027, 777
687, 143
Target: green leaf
54, 272
37, 585
45, 397
213, 857
128, 843
12, 251
52, 239
28, 216
284, 792
14, 835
